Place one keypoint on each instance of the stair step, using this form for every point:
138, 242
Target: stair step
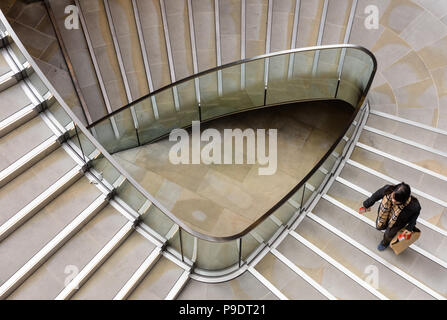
52, 276
26, 161
389, 283
402, 172
4, 66
76, 46
309, 22
28, 186
335, 25
325, 274
22, 140
244, 287
424, 156
410, 261
177, 16
431, 211
151, 24
205, 34
103, 48
139, 274
124, 25
432, 241
96, 262
285, 280
408, 131
42, 200
33, 235
107, 281
17, 119
12, 100
159, 281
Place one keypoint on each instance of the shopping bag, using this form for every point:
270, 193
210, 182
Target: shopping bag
399, 243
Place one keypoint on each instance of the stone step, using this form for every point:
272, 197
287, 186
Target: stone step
67, 262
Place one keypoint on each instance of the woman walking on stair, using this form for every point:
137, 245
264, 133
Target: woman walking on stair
397, 210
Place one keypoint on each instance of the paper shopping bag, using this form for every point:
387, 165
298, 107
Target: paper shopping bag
399, 246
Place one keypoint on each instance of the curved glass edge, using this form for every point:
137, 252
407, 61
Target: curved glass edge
201, 251
342, 73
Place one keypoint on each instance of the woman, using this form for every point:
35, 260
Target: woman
397, 210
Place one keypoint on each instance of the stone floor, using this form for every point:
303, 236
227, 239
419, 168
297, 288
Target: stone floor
410, 45
222, 200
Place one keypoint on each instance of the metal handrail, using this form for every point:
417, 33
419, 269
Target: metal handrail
239, 62
134, 183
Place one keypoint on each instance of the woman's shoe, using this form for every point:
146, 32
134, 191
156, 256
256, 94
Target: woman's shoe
381, 246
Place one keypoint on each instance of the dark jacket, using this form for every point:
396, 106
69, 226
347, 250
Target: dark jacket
407, 218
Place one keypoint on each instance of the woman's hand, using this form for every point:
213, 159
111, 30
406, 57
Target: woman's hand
364, 210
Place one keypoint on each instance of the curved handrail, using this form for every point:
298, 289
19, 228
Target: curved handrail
240, 62
135, 184
207, 237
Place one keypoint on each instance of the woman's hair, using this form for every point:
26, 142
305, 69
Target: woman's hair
402, 192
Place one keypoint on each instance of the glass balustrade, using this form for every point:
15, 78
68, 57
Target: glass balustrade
342, 72
291, 77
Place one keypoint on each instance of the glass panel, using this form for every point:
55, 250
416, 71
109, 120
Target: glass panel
148, 126
60, 114
134, 198
297, 197
166, 103
292, 77
302, 65
307, 195
231, 80
174, 240
106, 170
266, 229
105, 134
18, 53
326, 77
316, 179
279, 89
233, 98
189, 107
254, 81
328, 62
349, 93
88, 147
249, 245
118, 132
285, 213
351, 130
217, 255
151, 128
339, 148
2, 28
189, 243
208, 89
158, 221
38, 84
126, 129
330, 162
356, 71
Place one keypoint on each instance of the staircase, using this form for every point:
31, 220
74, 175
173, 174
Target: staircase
61, 227
65, 235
